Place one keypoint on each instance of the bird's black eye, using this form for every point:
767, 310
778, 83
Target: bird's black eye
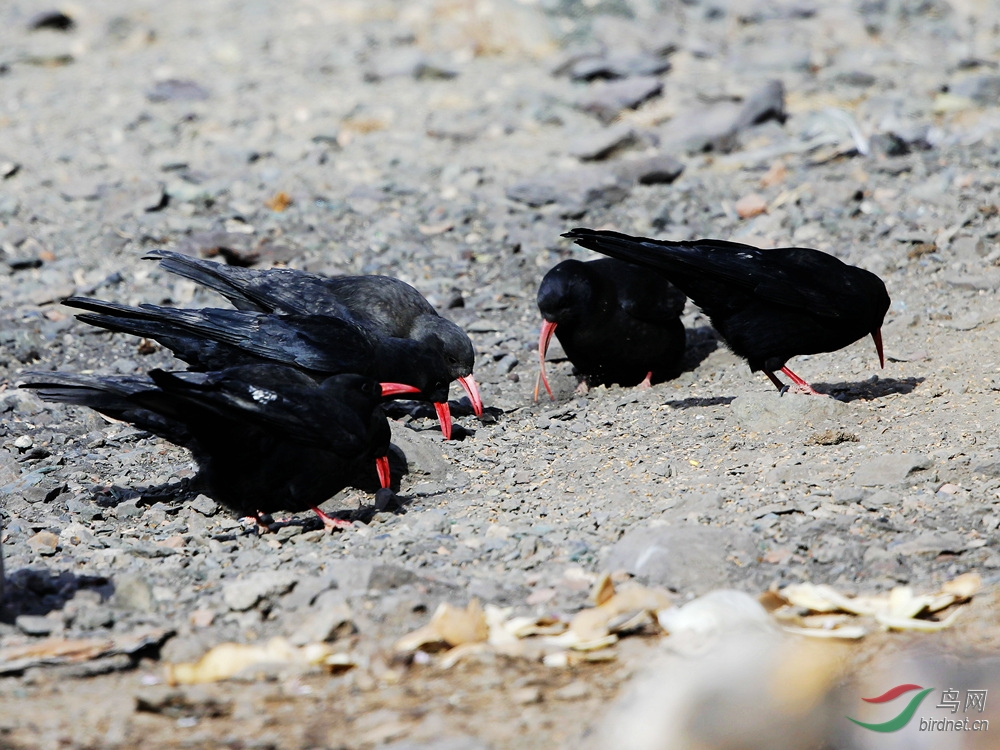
452, 360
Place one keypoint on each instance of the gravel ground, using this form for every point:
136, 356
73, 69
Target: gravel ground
449, 143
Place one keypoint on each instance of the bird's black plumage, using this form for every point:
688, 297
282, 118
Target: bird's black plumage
265, 437
617, 322
386, 305
320, 345
768, 305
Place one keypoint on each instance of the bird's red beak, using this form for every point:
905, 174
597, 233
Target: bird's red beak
444, 417
382, 466
877, 338
469, 384
395, 389
548, 328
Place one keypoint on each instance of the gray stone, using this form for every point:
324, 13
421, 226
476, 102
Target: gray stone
329, 619
424, 457
982, 89
607, 100
243, 594
133, 592
621, 65
430, 522
10, 470
177, 90
764, 411
36, 624
407, 62
205, 505
685, 557
930, 543
890, 469
881, 499
601, 145
649, 170
575, 191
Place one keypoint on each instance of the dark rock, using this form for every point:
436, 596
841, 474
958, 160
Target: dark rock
603, 144
177, 90
649, 170
617, 66
607, 100
51, 19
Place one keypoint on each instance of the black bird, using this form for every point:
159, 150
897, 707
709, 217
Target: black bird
265, 437
618, 322
320, 345
769, 305
386, 305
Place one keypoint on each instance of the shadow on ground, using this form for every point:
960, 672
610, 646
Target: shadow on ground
869, 390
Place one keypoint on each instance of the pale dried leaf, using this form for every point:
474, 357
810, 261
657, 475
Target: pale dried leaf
227, 659
965, 586
449, 625
603, 590
851, 632
921, 626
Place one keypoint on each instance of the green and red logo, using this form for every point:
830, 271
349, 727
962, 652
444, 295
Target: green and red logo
904, 716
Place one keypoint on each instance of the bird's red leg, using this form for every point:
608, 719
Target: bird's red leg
330, 523
647, 381
382, 466
800, 386
544, 338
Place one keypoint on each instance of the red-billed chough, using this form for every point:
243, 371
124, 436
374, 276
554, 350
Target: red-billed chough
319, 345
768, 305
617, 322
386, 305
265, 437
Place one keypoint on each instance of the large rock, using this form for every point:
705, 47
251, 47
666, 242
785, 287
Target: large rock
891, 469
685, 557
245, 593
761, 412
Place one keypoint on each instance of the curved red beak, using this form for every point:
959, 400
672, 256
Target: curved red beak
548, 328
469, 384
444, 417
877, 338
395, 389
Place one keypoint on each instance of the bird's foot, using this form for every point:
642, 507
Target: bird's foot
330, 523
647, 381
803, 388
582, 390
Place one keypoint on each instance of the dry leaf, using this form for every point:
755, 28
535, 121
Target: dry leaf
449, 625
228, 659
923, 626
603, 590
965, 586
279, 201
751, 205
